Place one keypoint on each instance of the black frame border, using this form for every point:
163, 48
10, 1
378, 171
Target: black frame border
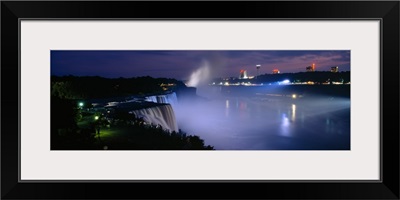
386, 11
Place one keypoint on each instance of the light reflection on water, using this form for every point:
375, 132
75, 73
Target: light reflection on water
285, 126
293, 112
256, 124
227, 108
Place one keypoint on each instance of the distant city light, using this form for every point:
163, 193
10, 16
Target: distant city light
294, 96
286, 81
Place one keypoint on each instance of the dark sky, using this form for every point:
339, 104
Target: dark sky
181, 64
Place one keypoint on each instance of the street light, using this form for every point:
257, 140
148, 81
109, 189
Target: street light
96, 117
80, 104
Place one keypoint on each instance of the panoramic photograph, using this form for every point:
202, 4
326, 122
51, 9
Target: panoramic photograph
200, 99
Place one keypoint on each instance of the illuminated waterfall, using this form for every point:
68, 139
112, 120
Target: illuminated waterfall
167, 98
151, 99
162, 115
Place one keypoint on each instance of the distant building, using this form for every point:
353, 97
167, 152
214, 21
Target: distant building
311, 68
243, 74
275, 71
335, 69
258, 69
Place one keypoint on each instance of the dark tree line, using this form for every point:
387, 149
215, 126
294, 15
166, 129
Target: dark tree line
72, 87
65, 133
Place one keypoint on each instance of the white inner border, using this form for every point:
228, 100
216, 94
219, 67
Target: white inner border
39, 37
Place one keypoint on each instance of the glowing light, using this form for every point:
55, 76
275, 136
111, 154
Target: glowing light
286, 81
294, 96
80, 104
293, 112
96, 117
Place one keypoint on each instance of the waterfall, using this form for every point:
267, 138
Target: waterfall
151, 99
165, 98
171, 99
159, 115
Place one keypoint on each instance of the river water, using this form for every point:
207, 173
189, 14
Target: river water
265, 121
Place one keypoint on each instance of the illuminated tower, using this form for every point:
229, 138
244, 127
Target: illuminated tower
311, 68
258, 68
243, 74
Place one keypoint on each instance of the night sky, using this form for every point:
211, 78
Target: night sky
181, 64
